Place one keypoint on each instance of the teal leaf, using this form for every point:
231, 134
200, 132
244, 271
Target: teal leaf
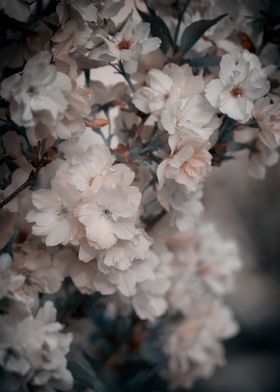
158, 29
8, 247
207, 61
195, 31
84, 375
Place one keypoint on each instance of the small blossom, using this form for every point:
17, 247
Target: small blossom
267, 115
185, 117
54, 215
241, 82
193, 346
129, 44
261, 157
152, 98
109, 214
35, 346
39, 94
189, 164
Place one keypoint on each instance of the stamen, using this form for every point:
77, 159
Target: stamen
237, 92
124, 44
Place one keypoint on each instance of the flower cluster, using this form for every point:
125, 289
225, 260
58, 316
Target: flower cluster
111, 123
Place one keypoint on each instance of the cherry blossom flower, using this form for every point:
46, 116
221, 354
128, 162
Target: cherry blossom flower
189, 164
38, 95
188, 117
184, 208
109, 214
35, 346
267, 115
122, 255
241, 82
86, 167
203, 263
152, 97
54, 215
37, 266
259, 156
150, 300
193, 346
129, 44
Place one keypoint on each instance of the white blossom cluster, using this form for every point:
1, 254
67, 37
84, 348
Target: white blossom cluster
104, 182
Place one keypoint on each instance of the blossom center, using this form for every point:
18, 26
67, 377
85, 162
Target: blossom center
32, 90
106, 213
62, 211
165, 96
237, 92
124, 44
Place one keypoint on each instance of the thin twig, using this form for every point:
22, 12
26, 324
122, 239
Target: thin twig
23, 186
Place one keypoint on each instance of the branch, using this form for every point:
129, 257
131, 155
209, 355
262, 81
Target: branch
38, 156
25, 185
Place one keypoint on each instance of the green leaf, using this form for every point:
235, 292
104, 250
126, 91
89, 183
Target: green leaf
195, 31
84, 375
8, 247
158, 29
207, 61
182, 6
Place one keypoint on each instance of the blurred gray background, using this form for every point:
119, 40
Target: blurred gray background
249, 211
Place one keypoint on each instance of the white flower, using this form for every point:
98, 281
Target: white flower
34, 346
150, 300
184, 208
125, 282
260, 155
54, 215
188, 165
122, 255
217, 259
90, 10
193, 346
87, 167
38, 94
187, 117
203, 263
241, 82
108, 212
267, 115
151, 99
129, 44
79, 106
36, 265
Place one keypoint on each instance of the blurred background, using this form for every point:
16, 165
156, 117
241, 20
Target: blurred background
249, 211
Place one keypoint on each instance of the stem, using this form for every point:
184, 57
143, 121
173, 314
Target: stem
100, 133
122, 72
110, 135
25, 185
176, 34
127, 78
